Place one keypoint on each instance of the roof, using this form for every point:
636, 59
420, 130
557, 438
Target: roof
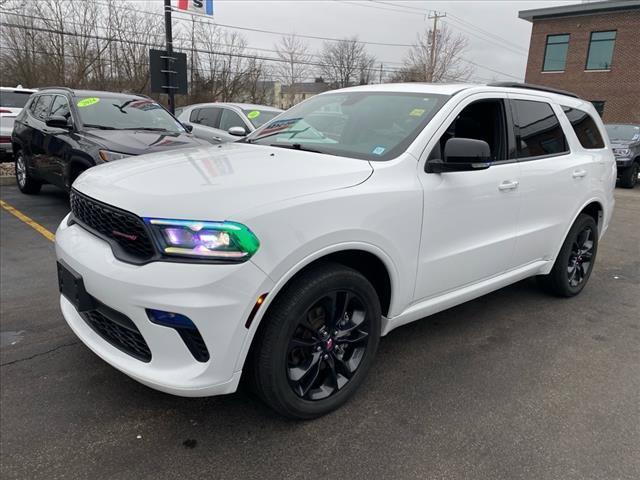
241, 106
589, 8
93, 93
17, 89
437, 88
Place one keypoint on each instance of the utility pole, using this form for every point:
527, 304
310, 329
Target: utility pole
169, 39
380, 73
193, 53
434, 35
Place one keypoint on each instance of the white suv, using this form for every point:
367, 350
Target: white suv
288, 255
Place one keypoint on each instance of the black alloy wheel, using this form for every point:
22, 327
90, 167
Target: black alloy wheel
316, 342
574, 263
581, 257
328, 345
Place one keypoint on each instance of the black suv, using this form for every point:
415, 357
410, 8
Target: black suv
62, 132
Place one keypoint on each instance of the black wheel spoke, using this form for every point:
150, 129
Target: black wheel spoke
328, 345
297, 373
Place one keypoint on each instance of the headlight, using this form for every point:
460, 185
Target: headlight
108, 156
212, 240
621, 152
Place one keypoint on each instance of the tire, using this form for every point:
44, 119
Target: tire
629, 176
26, 183
574, 264
296, 337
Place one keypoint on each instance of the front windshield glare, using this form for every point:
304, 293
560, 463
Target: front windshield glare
367, 125
623, 132
122, 113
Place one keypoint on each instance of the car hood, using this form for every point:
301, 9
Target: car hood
213, 183
138, 142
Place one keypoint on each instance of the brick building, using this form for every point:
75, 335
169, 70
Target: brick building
592, 49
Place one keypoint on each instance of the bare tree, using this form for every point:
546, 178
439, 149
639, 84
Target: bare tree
346, 62
440, 63
294, 66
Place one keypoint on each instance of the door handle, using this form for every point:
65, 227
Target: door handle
508, 185
579, 173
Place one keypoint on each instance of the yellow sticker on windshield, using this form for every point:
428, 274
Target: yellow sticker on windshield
417, 112
85, 102
253, 114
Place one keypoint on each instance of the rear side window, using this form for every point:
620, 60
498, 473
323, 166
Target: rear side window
209, 117
538, 131
585, 128
40, 108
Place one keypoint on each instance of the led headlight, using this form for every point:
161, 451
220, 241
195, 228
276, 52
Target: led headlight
108, 156
212, 240
621, 152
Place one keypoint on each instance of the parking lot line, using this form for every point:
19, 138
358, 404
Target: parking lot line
32, 223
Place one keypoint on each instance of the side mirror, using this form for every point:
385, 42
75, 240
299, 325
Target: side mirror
462, 155
237, 131
188, 127
56, 121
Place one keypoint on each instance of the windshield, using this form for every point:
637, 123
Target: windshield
260, 117
367, 125
623, 132
122, 113
14, 99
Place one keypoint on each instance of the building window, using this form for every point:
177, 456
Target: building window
599, 106
601, 50
555, 53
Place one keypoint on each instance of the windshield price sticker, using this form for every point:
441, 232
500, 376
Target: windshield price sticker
85, 102
379, 150
417, 112
253, 114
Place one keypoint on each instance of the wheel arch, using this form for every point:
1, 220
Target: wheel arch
370, 261
76, 165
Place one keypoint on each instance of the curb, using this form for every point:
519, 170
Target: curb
7, 180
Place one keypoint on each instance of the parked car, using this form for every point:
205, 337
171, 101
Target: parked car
225, 122
63, 132
285, 257
625, 140
11, 102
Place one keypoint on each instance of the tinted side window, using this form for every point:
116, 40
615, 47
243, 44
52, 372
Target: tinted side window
208, 117
230, 119
585, 128
538, 130
60, 107
41, 109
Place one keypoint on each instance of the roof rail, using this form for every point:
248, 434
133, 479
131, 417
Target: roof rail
530, 86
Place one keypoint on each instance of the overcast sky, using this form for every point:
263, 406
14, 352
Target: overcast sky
379, 21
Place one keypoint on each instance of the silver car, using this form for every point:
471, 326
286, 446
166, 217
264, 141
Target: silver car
11, 102
225, 122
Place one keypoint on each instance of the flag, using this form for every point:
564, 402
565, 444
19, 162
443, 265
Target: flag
203, 7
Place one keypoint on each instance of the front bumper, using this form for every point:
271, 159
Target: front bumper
622, 162
217, 298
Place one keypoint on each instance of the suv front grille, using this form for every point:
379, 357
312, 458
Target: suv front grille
119, 227
118, 330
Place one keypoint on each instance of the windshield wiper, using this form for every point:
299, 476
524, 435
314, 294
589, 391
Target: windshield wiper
100, 127
295, 146
151, 129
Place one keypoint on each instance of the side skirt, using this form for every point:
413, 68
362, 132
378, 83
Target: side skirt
447, 300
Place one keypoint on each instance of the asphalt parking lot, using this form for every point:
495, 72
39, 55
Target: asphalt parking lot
513, 385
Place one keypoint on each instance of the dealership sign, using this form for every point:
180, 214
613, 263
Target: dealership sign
202, 7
